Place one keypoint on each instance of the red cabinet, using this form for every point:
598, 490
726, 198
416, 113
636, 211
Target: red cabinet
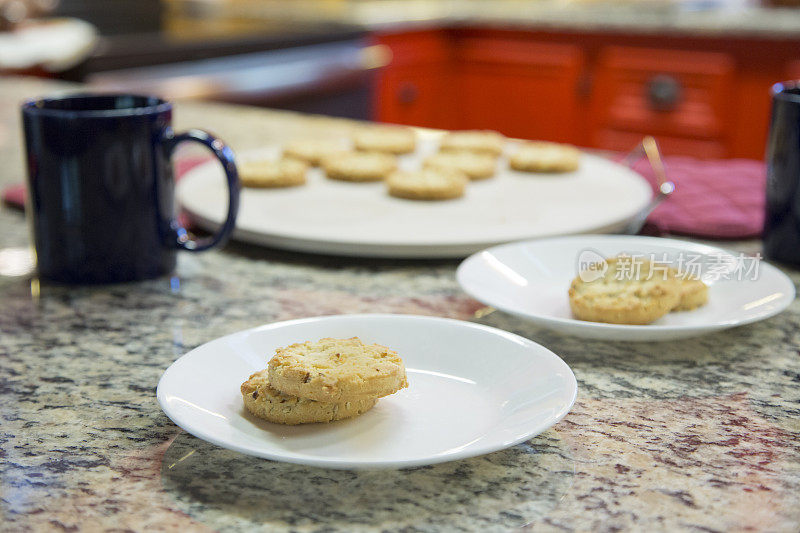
412, 89
793, 71
522, 89
706, 97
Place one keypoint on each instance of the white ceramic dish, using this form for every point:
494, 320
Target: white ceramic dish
360, 219
472, 390
531, 279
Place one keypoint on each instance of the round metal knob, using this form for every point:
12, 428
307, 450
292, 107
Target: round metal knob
664, 92
408, 93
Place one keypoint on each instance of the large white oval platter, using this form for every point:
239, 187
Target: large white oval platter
360, 219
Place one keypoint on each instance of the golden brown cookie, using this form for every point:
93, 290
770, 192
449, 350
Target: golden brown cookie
631, 290
694, 293
313, 151
475, 165
480, 141
540, 156
359, 166
427, 184
391, 139
268, 403
337, 370
284, 172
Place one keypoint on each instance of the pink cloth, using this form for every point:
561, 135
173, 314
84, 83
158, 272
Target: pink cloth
716, 199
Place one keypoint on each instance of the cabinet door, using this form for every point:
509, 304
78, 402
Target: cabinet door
677, 95
411, 89
520, 88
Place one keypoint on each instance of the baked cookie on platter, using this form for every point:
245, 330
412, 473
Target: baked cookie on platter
427, 184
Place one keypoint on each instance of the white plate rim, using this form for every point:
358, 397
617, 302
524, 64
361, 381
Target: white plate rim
371, 464
622, 328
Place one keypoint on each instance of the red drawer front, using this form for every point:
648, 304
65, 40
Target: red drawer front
668, 93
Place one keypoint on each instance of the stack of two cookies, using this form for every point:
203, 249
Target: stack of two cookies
632, 290
323, 381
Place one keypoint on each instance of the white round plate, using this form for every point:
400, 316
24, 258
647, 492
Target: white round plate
360, 219
531, 280
472, 390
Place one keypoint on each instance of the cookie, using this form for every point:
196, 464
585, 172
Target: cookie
391, 139
476, 166
631, 290
427, 184
540, 156
264, 401
694, 293
264, 173
359, 166
480, 141
312, 151
337, 370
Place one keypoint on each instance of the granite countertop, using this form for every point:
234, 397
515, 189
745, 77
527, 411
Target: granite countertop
697, 435
711, 18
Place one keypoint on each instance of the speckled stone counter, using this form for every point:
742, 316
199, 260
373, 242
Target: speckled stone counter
701, 435
688, 17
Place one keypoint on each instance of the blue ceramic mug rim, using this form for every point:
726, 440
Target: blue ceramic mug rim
38, 106
781, 90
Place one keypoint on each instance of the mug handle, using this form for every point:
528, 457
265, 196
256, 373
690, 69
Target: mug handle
223, 152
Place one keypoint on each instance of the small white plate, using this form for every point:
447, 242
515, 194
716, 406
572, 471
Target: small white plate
531, 280
472, 390
361, 219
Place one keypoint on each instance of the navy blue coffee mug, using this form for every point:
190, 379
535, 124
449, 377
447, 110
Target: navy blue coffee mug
101, 189
782, 222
